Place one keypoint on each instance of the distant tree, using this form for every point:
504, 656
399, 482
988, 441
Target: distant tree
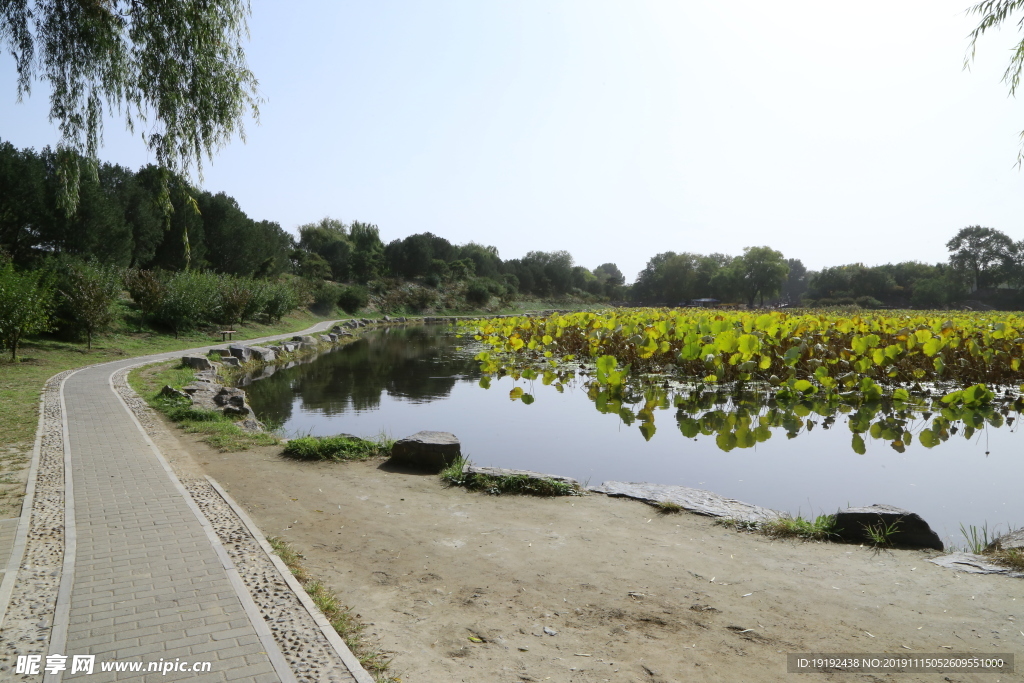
329, 239
26, 305
609, 273
89, 293
762, 270
486, 259
367, 251
984, 255
796, 281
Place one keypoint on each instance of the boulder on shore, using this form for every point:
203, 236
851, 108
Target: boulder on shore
262, 354
241, 352
429, 451
197, 362
908, 528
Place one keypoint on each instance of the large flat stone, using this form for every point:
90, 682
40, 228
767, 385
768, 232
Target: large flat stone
501, 472
1014, 539
911, 530
429, 451
693, 500
974, 564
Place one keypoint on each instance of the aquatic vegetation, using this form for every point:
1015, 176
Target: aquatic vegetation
737, 375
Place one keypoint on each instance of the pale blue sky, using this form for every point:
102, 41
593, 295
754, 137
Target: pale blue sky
616, 130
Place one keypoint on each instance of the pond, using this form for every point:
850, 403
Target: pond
403, 380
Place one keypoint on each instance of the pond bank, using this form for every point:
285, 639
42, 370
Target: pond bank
464, 586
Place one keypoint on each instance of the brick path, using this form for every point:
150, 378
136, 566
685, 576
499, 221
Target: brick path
144, 575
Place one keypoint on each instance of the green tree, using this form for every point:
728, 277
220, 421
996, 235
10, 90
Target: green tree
762, 270
26, 305
984, 255
90, 293
367, 251
176, 68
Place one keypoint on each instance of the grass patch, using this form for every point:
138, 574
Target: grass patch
454, 475
977, 538
667, 507
337, 448
347, 624
820, 528
217, 429
979, 543
880, 535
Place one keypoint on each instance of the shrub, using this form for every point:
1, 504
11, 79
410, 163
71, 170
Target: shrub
191, 299
146, 290
868, 302
352, 299
325, 297
477, 293
89, 293
26, 304
281, 299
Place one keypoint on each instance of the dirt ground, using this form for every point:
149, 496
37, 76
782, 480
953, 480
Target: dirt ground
464, 586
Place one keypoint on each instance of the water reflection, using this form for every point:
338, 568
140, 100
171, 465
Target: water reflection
412, 364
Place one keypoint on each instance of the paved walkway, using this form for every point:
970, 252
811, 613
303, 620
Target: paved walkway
144, 578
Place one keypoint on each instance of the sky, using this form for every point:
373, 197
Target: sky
832, 132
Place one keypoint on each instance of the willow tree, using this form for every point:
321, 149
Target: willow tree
994, 14
174, 70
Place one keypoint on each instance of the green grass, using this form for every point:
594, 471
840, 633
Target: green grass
217, 429
881, 534
42, 357
821, 528
337, 448
667, 507
347, 624
453, 475
977, 539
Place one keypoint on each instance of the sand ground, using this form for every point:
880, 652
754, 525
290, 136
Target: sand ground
463, 586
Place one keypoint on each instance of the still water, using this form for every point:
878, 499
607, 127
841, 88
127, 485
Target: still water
404, 380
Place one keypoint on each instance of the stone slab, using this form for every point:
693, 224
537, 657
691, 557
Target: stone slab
693, 500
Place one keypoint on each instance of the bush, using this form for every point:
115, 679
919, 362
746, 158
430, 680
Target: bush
352, 299
477, 293
281, 299
146, 290
191, 299
868, 302
325, 297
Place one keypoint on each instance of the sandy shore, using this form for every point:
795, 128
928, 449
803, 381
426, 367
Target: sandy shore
464, 586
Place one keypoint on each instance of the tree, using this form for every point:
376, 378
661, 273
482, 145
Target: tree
796, 281
90, 293
609, 273
984, 255
178, 68
26, 304
993, 13
762, 270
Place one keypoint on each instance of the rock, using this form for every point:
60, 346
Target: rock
241, 352
171, 392
332, 337
402, 319
220, 352
550, 631
336, 329
262, 353
326, 338
692, 500
251, 424
431, 451
1014, 539
231, 361
197, 362
386, 319
304, 339
501, 472
974, 564
289, 347
308, 346
910, 531
229, 396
